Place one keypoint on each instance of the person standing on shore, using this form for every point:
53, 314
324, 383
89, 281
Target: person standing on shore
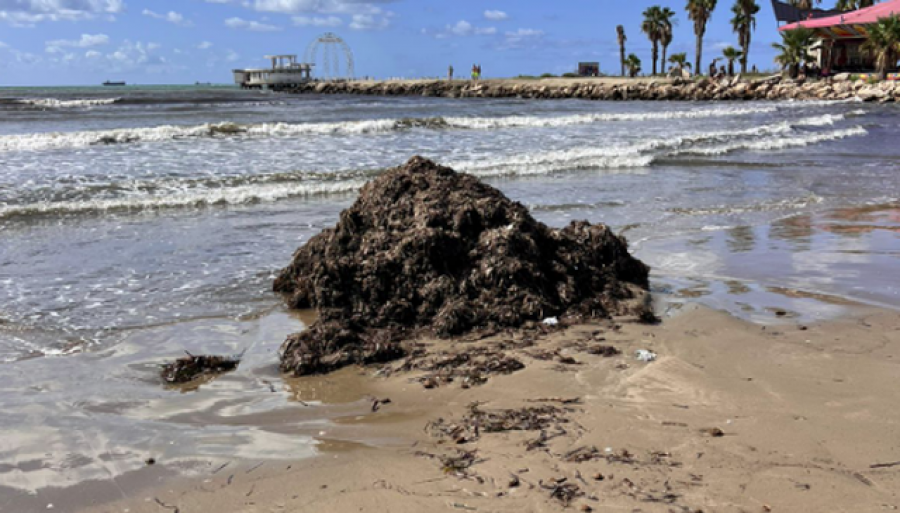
450, 72
474, 72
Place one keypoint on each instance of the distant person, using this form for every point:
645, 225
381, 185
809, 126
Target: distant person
450, 72
712, 69
721, 72
753, 69
474, 72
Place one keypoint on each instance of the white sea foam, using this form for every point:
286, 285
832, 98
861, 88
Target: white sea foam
644, 153
54, 103
582, 119
779, 143
171, 197
71, 140
266, 188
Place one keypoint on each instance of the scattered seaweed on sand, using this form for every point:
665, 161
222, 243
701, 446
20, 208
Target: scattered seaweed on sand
478, 421
427, 249
471, 367
191, 367
562, 490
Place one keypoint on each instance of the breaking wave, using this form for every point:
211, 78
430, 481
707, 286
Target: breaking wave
235, 190
70, 140
54, 103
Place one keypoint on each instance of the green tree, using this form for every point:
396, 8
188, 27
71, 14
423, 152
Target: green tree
852, 5
653, 27
883, 43
794, 48
679, 61
620, 36
700, 11
668, 23
731, 54
633, 64
744, 23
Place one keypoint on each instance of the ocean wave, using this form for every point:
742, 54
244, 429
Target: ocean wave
644, 153
71, 140
583, 119
235, 190
780, 143
55, 103
194, 197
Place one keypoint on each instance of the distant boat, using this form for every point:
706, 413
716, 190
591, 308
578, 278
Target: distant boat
108, 83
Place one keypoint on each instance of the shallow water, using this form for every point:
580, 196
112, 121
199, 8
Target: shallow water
140, 222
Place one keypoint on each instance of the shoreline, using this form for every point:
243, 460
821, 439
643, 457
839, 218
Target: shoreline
734, 88
805, 424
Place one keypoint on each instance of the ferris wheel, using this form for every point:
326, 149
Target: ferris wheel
325, 52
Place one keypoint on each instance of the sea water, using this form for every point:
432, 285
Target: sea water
139, 222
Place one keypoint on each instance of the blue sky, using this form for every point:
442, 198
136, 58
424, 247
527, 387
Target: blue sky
58, 42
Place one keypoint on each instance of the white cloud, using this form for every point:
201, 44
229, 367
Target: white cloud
316, 21
205, 45
495, 15
232, 56
370, 21
131, 56
524, 37
172, 17
86, 41
463, 28
317, 6
255, 26
20, 12
92, 54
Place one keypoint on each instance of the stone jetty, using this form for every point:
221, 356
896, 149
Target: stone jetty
839, 87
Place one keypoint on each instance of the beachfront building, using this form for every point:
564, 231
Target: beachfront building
285, 72
842, 36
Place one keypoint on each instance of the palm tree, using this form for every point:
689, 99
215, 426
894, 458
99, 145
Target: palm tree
884, 43
804, 5
700, 11
731, 54
633, 64
679, 61
744, 23
668, 23
653, 27
852, 5
620, 35
794, 48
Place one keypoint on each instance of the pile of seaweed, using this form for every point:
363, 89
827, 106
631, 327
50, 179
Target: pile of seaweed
425, 248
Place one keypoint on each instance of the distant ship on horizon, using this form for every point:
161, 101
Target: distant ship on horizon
110, 83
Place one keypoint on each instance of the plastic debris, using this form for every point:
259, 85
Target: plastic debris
551, 321
645, 355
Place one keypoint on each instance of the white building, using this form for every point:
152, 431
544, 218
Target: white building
284, 73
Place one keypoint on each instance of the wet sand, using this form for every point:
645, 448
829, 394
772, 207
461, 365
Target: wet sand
806, 414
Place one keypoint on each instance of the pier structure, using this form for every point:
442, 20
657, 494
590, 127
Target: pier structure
285, 73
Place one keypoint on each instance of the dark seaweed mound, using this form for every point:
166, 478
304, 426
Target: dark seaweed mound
427, 248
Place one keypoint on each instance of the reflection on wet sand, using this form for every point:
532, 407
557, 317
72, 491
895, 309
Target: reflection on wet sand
812, 265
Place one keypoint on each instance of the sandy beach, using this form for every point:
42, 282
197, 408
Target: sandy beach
767, 214
731, 416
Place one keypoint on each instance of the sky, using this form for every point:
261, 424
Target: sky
84, 42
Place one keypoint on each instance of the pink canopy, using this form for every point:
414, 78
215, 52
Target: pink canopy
849, 24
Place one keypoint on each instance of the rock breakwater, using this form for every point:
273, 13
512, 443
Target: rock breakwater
840, 87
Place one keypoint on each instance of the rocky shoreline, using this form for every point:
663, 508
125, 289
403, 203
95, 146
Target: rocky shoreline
840, 87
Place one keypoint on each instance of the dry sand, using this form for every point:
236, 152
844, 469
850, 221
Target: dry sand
808, 418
